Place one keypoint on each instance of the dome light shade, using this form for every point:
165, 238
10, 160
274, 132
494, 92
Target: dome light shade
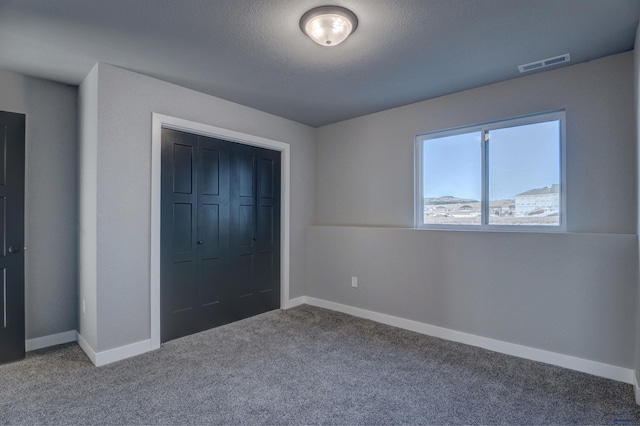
328, 25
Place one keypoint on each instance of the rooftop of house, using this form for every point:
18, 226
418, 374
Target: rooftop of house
553, 189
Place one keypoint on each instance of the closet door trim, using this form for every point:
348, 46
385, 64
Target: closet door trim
160, 121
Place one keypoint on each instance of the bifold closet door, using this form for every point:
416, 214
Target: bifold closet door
220, 242
255, 230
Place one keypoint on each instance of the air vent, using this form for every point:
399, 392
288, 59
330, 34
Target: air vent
544, 63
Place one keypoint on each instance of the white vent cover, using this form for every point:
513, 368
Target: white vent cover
544, 63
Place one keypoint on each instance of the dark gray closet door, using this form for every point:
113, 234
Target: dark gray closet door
220, 242
12, 156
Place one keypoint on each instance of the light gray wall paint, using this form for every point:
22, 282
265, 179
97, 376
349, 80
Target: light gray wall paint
126, 101
568, 293
87, 208
50, 199
365, 165
572, 294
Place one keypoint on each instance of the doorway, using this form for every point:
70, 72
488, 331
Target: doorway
220, 232
12, 162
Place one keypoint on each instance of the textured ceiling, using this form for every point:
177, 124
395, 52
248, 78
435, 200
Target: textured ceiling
253, 52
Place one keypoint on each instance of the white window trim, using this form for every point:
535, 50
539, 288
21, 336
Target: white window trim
483, 127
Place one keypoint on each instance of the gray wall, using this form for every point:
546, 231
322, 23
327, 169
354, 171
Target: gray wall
87, 207
50, 199
572, 294
365, 165
126, 101
569, 293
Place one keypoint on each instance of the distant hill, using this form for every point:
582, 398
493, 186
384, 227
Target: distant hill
448, 199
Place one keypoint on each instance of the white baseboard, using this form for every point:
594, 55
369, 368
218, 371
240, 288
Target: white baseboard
608, 371
122, 352
117, 354
292, 303
112, 355
86, 347
51, 340
600, 369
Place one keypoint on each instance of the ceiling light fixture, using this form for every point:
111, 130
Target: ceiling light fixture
328, 25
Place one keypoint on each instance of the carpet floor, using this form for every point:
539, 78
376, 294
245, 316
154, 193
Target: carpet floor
306, 365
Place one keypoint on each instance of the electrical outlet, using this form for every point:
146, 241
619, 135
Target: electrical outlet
354, 282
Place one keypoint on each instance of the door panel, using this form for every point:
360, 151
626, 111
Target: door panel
182, 169
222, 200
183, 289
245, 228
211, 290
257, 231
266, 177
12, 322
178, 243
246, 174
3, 300
268, 231
266, 225
210, 225
264, 269
213, 234
210, 169
3, 155
244, 276
3, 226
182, 225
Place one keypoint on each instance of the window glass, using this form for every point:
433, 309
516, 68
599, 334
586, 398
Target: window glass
452, 179
524, 174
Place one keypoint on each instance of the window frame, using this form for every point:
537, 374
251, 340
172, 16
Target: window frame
558, 115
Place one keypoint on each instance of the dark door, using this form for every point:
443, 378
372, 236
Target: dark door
12, 131
219, 262
255, 230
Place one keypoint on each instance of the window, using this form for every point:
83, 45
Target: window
505, 175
